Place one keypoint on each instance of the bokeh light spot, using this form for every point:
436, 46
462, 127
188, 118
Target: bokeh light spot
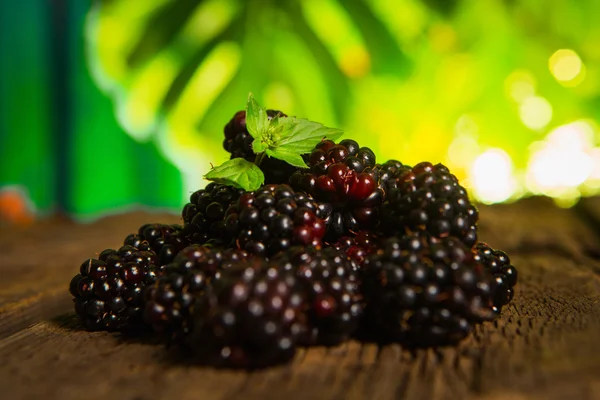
519, 85
535, 112
492, 176
565, 65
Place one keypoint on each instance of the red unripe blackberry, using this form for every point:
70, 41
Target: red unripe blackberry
205, 213
272, 219
424, 291
505, 274
358, 246
330, 283
238, 143
338, 176
108, 291
249, 318
169, 301
429, 198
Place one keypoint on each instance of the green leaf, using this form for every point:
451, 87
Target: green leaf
257, 120
298, 135
258, 146
289, 157
237, 172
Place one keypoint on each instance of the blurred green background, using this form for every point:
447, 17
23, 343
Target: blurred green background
114, 103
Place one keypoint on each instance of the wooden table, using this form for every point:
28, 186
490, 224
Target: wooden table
546, 345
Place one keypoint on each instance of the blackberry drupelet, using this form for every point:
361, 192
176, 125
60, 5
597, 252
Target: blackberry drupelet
249, 318
338, 177
238, 143
505, 274
429, 198
108, 291
204, 215
165, 240
330, 283
272, 219
358, 246
424, 291
169, 301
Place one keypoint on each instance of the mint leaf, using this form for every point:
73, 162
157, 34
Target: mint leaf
289, 157
257, 120
298, 135
237, 172
258, 146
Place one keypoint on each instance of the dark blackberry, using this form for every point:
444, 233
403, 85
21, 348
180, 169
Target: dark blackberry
169, 301
204, 215
238, 143
338, 177
358, 246
165, 240
108, 291
429, 198
505, 274
249, 318
424, 291
330, 283
274, 218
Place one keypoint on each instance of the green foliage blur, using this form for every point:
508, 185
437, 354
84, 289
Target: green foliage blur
492, 88
109, 103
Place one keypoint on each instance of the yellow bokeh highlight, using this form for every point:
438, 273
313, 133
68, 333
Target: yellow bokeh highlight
491, 177
333, 26
519, 85
561, 163
566, 66
535, 112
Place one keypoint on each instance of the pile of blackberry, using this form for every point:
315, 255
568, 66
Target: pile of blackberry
347, 248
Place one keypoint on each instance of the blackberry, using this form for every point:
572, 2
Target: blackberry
238, 143
358, 246
165, 240
204, 215
424, 291
428, 197
108, 291
338, 177
169, 301
272, 219
249, 318
505, 274
330, 283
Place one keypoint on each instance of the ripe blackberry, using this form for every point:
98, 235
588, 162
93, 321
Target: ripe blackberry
272, 219
424, 291
238, 142
358, 246
169, 301
165, 240
108, 291
505, 274
428, 197
204, 215
337, 177
330, 283
249, 318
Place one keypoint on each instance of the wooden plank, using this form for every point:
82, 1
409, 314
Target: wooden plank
544, 346
536, 225
36, 264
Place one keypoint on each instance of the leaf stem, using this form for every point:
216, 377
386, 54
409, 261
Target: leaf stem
259, 158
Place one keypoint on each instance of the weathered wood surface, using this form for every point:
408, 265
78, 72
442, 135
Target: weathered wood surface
546, 345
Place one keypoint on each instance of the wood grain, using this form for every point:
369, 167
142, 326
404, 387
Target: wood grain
545, 345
